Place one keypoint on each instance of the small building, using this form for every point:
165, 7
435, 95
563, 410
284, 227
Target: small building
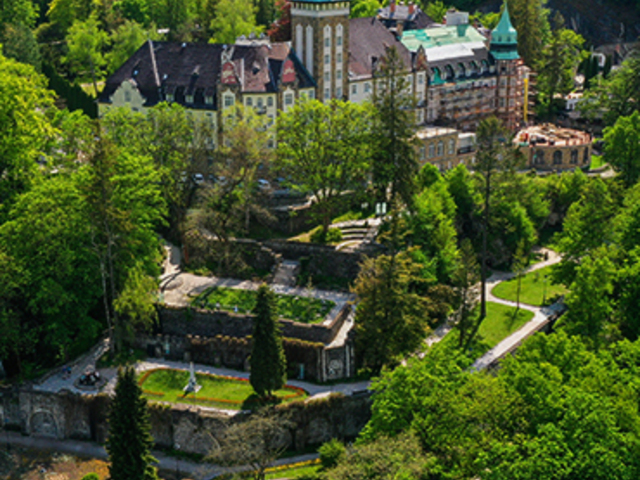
445, 147
548, 147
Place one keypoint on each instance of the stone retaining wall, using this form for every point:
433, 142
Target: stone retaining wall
83, 417
208, 323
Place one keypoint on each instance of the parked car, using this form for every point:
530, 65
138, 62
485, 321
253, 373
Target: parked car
198, 178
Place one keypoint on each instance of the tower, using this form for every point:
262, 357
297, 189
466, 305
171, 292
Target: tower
320, 31
510, 91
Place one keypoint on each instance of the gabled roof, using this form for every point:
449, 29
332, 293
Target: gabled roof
368, 43
185, 69
410, 21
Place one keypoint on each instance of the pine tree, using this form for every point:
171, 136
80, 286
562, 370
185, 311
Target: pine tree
268, 363
129, 443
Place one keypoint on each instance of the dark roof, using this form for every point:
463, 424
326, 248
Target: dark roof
368, 42
410, 21
181, 69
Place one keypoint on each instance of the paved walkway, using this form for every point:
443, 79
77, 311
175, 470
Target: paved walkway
187, 468
541, 314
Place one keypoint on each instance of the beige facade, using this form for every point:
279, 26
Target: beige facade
445, 148
547, 147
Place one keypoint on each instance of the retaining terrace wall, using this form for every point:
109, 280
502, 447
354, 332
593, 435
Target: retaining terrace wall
84, 417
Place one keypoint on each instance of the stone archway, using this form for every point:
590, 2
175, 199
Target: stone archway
42, 423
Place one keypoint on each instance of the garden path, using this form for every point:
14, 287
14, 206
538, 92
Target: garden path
311, 388
540, 317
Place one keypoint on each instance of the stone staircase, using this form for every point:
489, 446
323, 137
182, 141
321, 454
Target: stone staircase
357, 232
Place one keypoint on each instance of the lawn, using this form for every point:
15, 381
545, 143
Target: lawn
535, 287
597, 161
501, 322
166, 385
299, 309
294, 472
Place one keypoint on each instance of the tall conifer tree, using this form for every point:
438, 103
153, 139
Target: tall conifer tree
268, 363
129, 443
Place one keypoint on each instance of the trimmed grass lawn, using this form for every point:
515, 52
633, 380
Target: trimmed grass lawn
597, 161
532, 288
166, 385
294, 472
299, 309
501, 322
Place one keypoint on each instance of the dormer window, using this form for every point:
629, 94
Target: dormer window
189, 98
169, 97
208, 100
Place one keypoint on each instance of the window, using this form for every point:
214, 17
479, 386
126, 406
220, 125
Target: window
249, 102
354, 89
189, 98
339, 75
327, 42
367, 87
327, 94
326, 59
208, 100
538, 158
440, 148
585, 158
327, 76
339, 41
557, 157
270, 102
422, 153
228, 100
421, 79
339, 58
127, 96
339, 92
288, 99
452, 146
574, 157
432, 150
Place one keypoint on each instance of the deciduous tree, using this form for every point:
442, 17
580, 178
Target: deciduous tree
324, 149
622, 148
86, 42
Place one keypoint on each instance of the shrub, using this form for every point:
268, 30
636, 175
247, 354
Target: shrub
333, 235
331, 453
91, 476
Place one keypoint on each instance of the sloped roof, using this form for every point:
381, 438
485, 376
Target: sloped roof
368, 42
160, 68
410, 21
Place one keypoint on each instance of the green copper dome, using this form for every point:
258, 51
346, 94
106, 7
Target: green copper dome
504, 38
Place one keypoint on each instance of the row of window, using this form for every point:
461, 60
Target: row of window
440, 149
539, 157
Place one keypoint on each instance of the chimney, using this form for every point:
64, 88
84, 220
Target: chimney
392, 6
412, 8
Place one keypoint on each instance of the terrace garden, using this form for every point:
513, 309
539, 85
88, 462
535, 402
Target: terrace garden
298, 309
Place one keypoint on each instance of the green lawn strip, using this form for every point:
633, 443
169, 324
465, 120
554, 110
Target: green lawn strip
299, 309
597, 161
501, 322
533, 288
167, 385
293, 472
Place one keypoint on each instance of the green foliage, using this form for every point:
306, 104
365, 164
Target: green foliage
332, 235
129, 443
25, 120
331, 453
394, 162
364, 8
384, 458
617, 95
530, 19
558, 63
233, 18
622, 148
396, 308
268, 363
324, 148
85, 58
541, 415
74, 96
128, 38
589, 300
436, 10
19, 43
91, 476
